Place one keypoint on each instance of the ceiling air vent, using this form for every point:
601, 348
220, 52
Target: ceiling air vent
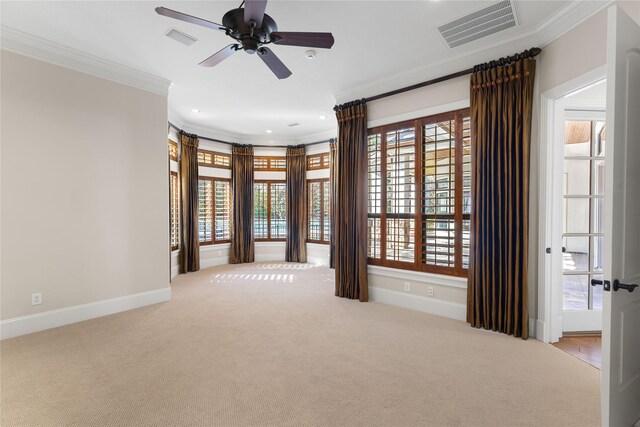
180, 37
489, 20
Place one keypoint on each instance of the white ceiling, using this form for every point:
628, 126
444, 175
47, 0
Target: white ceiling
380, 45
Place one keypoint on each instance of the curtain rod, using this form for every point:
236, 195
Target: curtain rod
534, 51
258, 146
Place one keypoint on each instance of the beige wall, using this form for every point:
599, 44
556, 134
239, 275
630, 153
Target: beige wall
580, 50
84, 188
631, 8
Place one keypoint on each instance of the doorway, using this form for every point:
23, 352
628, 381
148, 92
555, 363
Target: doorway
582, 219
572, 226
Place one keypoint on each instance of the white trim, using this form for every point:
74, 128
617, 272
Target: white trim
582, 321
214, 247
452, 310
540, 327
424, 112
34, 47
52, 319
552, 104
211, 262
175, 263
419, 276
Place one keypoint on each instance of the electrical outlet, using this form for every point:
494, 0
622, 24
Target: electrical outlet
430, 291
36, 299
407, 286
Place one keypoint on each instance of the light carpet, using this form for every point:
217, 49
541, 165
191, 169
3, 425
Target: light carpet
269, 345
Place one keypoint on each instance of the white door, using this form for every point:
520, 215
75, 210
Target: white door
621, 313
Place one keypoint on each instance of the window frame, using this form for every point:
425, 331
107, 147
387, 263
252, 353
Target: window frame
173, 145
213, 163
458, 216
323, 161
174, 221
270, 162
213, 240
324, 240
269, 183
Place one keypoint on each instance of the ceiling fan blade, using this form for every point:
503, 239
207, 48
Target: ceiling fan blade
220, 56
273, 62
254, 10
188, 18
320, 40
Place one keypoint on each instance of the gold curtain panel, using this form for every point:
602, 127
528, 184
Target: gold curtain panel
501, 106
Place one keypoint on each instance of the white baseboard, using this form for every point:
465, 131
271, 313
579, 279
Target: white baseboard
438, 307
52, 319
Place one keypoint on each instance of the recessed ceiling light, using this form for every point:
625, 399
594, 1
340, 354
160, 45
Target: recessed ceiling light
269, 131
310, 54
195, 110
322, 117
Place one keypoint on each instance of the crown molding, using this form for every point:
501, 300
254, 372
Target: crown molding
44, 50
546, 32
211, 132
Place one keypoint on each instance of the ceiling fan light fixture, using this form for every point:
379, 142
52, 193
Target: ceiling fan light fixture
252, 29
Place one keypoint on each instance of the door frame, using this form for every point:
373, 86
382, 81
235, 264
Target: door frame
552, 107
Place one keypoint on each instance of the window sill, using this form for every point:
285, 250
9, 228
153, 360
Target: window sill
419, 276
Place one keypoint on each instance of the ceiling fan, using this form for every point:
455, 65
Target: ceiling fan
253, 29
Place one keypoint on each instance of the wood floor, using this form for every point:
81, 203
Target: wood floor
584, 347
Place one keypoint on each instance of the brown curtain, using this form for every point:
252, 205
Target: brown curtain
351, 206
188, 165
333, 199
501, 104
296, 249
242, 241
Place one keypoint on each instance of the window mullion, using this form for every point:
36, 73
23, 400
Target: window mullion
213, 209
417, 159
321, 188
458, 191
383, 194
269, 210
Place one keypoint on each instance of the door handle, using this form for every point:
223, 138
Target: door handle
606, 285
564, 249
617, 285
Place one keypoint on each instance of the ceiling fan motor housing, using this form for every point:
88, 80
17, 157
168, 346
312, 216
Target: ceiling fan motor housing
248, 34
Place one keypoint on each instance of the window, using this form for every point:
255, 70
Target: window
318, 210
420, 194
270, 210
270, 163
174, 211
173, 150
583, 214
318, 161
214, 210
214, 159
